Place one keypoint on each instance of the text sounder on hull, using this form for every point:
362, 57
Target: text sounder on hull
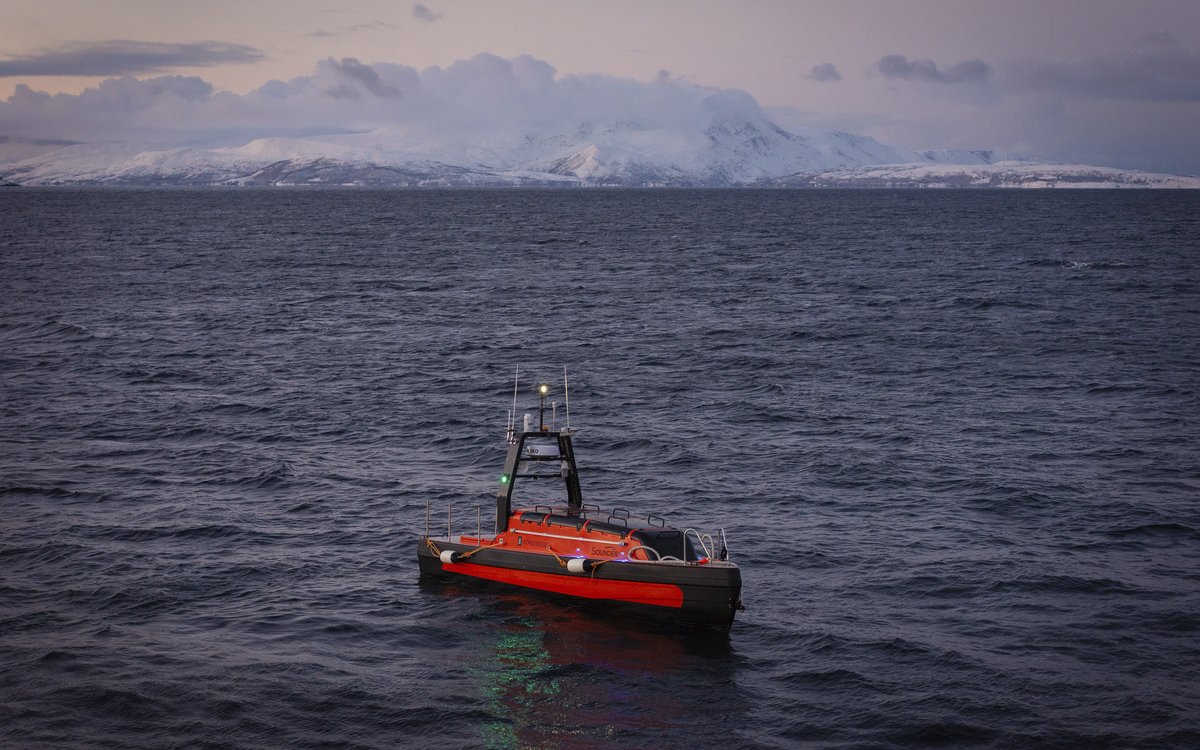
554, 542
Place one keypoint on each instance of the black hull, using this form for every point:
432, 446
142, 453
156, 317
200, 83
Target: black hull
708, 594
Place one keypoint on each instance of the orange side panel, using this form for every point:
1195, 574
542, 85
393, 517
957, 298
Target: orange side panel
581, 585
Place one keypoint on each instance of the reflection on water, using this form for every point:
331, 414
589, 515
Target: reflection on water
555, 675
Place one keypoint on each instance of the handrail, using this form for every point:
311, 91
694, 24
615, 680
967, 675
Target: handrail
620, 516
707, 553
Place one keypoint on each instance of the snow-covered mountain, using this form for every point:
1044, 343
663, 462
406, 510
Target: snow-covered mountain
722, 138
1003, 174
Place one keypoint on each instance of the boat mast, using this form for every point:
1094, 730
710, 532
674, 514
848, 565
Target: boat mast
574, 494
519, 457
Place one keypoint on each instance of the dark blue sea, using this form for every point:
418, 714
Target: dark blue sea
953, 438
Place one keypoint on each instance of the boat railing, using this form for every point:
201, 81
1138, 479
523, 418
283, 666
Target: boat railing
450, 522
618, 516
709, 548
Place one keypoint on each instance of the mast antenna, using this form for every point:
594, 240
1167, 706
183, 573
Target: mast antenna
566, 398
512, 413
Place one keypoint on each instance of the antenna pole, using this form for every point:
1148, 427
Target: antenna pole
567, 398
512, 414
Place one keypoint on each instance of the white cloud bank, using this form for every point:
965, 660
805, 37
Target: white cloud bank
475, 100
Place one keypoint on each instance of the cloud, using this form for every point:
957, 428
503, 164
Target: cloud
163, 109
369, 26
899, 66
124, 57
37, 141
825, 73
485, 102
1165, 75
364, 75
422, 13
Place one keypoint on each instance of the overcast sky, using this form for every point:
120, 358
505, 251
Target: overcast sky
1109, 82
